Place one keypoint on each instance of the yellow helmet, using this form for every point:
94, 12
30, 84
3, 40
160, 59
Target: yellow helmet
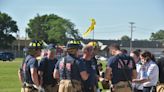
35, 44
73, 44
92, 43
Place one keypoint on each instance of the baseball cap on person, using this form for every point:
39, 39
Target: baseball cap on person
51, 46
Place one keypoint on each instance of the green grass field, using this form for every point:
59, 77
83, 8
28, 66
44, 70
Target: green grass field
8, 76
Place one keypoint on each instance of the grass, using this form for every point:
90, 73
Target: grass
99, 84
9, 77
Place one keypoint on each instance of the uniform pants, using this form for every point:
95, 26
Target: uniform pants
68, 86
138, 90
51, 88
122, 87
91, 89
149, 89
160, 87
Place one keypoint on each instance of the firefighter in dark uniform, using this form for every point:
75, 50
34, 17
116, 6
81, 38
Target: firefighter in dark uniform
46, 68
91, 82
96, 48
120, 70
70, 69
95, 52
29, 70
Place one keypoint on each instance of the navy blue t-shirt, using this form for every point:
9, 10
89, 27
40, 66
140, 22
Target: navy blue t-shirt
117, 70
68, 73
91, 70
95, 63
30, 62
47, 67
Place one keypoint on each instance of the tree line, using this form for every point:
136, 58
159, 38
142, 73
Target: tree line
50, 28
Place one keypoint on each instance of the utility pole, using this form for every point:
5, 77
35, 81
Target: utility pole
93, 35
131, 38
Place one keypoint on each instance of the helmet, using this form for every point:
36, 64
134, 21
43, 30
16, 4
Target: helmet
51, 46
94, 44
73, 44
35, 44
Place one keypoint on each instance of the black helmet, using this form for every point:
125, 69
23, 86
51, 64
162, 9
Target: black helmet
35, 44
74, 44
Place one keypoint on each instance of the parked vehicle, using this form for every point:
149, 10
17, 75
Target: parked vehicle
6, 56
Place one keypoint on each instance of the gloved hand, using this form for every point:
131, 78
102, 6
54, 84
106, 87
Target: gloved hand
105, 84
40, 89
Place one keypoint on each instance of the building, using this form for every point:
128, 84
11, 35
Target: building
155, 47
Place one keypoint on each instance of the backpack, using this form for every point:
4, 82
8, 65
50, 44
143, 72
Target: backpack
125, 67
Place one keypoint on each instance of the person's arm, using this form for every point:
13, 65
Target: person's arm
108, 73
134, 72
56, 73
140, 80
34, 76
40, 73
20, 76
20, 72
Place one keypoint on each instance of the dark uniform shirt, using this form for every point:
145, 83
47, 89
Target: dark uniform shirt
117, 70
160, 64
92, 79
72, 69
95, 63
47, 67
29, 63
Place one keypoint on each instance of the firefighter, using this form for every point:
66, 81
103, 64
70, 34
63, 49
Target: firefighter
70, 69
28, 73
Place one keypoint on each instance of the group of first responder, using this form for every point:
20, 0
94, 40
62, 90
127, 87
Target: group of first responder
71, 73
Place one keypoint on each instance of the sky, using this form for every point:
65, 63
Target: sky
112, 16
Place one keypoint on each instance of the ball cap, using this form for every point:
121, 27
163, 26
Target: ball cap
51, 46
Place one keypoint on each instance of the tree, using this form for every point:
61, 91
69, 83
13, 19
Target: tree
125, 38
158, 35
51, 28
7, 28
